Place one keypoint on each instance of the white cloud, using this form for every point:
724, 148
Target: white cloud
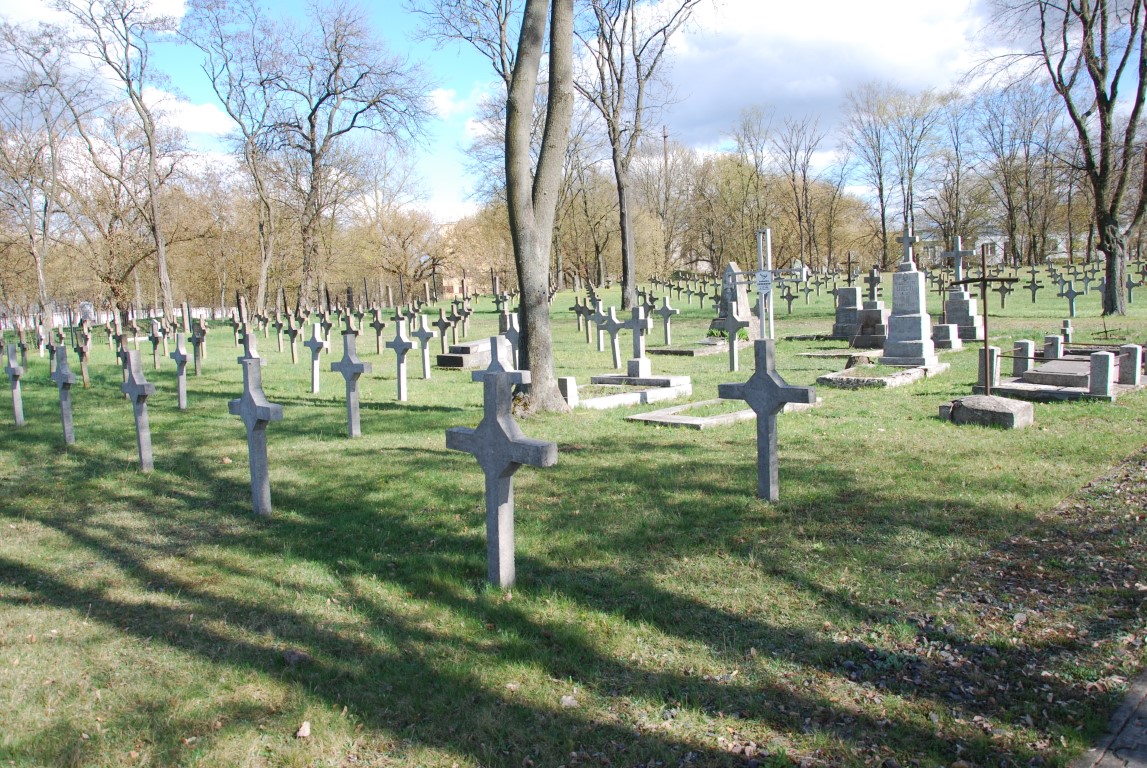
802, 58
445, 103
204, 119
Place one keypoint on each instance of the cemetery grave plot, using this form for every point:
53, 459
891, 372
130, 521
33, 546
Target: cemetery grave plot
661, 612
873, 375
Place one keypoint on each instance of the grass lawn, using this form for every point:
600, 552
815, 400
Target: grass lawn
921, 592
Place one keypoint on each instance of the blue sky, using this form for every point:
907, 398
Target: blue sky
795, 58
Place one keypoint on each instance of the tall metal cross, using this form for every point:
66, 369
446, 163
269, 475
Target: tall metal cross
983, 281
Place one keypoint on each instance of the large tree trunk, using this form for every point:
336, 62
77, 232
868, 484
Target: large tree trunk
532, 196
628, 259
1114, 246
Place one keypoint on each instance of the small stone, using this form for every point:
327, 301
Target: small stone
891, 762
511, 687
304, 731
225, 460
568, 702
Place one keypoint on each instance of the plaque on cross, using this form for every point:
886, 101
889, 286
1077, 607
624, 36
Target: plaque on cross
767, 394
501, 449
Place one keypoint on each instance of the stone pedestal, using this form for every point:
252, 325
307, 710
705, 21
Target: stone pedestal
909, 326
962, 310
848, 305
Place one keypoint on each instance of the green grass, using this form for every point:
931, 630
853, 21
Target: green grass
869, 614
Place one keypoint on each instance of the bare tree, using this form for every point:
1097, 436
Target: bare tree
332, 79
627, 42
33, 121
240, 46
116, 35
913, 122
532, 181
1094, 54
868, 133
794, 146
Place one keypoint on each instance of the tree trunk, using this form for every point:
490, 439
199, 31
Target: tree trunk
532, 196
1113, 244
628, 260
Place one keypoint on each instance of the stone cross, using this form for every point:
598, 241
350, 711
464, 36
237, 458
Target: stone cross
83, 349
316, 345
378, 324
424, 333
179, 355
351, 367
666, 312
64, 379
611, 325
957, 255
908, 240
1071, 295
138, 389
767, 393
155, 337
732, 326
597, 318
401, 344
640, 325
443, 324
513, 334
1033, 286
1003, 289
500, 448
199, 343
789, 297
873, 281
15, 371
577, 310
256, 412
454, 317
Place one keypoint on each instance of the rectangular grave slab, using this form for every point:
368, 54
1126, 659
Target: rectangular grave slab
1064, 372
474, 354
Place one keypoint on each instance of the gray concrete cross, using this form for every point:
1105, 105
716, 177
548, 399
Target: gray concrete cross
612, 325
957, 255
64, 379
14, 372
443, 324
597, 317
767, 394
401, 344
907, 240
500, 448
666, 312
424, 333
351, 368
513, 334
138, 389
1071, 295
179, 355
873, 281
379, 325
256, 412
732, 327
316, 344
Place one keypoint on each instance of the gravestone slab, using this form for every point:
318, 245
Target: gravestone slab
501, 448
989, 411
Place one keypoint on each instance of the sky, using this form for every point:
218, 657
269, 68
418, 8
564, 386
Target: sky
793, 58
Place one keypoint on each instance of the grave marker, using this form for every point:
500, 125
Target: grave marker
501, 449
351, 368
316, 345
666, 312
767, 394
256, 412
14, 372
64, 379
424, 333
138, 389
401, 345
179, 355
